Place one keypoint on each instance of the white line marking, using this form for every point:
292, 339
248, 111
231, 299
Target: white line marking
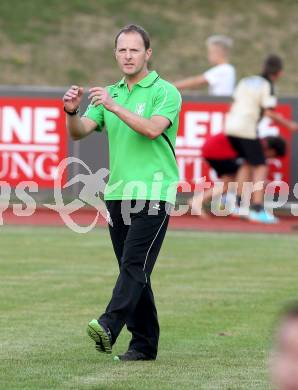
167, 211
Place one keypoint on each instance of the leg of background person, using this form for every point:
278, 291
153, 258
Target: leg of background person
259, 175
244, 174
145, 234
199, 202
257, 211
227, 181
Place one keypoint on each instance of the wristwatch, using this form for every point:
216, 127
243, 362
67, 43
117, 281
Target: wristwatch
71, 113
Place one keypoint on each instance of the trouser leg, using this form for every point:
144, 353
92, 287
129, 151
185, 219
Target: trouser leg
141, 247
143, 324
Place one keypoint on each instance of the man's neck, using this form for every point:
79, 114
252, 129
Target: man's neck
131, 81
269, 77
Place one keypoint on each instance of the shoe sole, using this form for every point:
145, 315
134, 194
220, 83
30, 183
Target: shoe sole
97, 334
126, 358
119, 359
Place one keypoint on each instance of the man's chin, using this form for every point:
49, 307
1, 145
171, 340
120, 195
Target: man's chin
130, 73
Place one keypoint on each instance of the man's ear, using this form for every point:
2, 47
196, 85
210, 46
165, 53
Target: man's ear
148, 53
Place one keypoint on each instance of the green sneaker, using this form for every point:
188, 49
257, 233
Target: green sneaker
132, 355
101, 336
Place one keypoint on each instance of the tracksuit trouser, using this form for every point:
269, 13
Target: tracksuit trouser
136, 246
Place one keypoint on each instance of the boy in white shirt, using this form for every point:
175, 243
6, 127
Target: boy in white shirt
222, 76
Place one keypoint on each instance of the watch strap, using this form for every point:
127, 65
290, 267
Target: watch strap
71, 113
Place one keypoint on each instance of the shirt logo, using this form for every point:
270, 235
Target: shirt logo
109, 219
140, 108
156, 206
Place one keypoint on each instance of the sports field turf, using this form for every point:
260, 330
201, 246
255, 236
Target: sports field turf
217, 294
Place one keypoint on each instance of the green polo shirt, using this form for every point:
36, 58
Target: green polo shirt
141, 168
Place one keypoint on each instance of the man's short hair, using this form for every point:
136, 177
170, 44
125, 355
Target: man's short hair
278, 144
223, 41
272, 65
135, 29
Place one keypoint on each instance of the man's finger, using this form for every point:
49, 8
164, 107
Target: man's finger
69, 97
96, 89
97, 103
72, 94
96, 99
76, 91
99, 94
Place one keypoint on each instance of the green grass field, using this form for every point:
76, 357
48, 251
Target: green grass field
218, 296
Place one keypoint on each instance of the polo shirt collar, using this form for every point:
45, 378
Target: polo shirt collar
145, 82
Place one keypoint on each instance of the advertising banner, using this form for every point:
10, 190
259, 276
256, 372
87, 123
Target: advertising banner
32, 139
199, 120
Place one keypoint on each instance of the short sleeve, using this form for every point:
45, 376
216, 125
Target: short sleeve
269, 100
167, 102
212, 75
96, 114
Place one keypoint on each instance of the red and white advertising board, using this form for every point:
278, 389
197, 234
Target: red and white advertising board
32, 140
199, 120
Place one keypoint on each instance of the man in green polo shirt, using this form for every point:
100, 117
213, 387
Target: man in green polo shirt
140, 114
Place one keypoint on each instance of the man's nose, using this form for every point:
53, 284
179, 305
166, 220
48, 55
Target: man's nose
128, 54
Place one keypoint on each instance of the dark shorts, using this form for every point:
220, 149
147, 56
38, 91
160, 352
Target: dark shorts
249, 149
224, 167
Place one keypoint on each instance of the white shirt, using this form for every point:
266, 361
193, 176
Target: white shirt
252, 95
221, 80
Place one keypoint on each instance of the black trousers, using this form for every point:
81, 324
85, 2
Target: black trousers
136, 247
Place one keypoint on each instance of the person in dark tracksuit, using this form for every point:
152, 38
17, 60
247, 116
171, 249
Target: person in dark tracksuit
140, 114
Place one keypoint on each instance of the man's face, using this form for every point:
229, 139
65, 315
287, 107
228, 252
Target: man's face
285, 359
130, 53
277, 75
215, 54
